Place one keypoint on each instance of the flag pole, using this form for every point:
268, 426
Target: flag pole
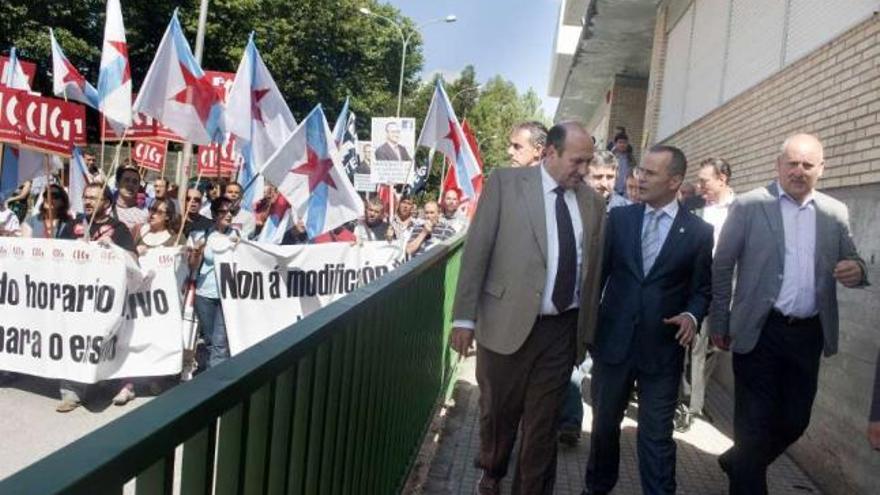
50, 204
112, 173
184, 208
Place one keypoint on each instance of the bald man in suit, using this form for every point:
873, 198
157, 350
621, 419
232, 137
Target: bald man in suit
528, 291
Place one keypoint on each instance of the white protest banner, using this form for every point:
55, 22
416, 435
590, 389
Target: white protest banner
149, 341
390, 172
362, 183
67, 310
265, 288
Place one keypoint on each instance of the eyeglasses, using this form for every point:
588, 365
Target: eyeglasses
193, 198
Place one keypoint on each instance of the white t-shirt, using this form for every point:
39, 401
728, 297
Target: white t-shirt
8, 223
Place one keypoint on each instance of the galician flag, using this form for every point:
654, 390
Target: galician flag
13, 75
258, 117
443, 132
67, 81
177, 93
308, 172
114, 76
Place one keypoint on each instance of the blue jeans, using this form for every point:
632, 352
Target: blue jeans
212, 328
572, 413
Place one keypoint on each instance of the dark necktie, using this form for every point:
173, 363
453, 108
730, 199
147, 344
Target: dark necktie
563, 288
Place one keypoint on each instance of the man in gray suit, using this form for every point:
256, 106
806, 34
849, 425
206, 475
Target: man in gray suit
788, 245
528, 292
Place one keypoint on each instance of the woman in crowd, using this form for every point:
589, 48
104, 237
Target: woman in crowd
161, 227
55, 225
212, 325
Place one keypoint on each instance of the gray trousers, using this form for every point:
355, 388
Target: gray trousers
703, 359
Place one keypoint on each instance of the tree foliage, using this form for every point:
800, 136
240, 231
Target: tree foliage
319, 51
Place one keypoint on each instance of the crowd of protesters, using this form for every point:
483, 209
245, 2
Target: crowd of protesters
138, 214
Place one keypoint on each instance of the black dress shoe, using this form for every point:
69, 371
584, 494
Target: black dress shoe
488, 485
724, 463
569, 435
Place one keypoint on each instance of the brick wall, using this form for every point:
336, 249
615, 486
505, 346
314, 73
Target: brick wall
834, 92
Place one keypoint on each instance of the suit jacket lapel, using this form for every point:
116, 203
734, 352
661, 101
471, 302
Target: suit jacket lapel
587, 219
533, 195
637, 236
774, 216
824, 231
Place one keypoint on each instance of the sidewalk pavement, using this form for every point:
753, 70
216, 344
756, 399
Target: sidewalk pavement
452, 470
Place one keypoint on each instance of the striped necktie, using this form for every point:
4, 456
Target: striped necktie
651, 239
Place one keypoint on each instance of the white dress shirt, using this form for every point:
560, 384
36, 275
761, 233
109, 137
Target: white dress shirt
715, 214
665, 222
548, 184
797, 295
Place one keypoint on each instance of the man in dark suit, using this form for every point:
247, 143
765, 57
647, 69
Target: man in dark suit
656, 278
527, 291
788, 246
391, 149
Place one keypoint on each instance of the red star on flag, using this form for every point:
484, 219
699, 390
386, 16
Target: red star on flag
256, 96
454, 137
318, 170
122, 48
198, 92
73, 75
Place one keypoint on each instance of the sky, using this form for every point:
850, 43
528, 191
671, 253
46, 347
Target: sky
510, 38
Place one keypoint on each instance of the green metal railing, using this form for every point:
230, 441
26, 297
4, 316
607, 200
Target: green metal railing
337, 403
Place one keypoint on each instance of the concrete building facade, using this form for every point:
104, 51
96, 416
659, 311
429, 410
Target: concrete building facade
733, 78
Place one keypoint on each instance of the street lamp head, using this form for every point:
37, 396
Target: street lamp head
365, 11
450, 18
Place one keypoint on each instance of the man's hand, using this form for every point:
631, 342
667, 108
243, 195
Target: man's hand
848, 273
462, 341
686, 328
874, 434
721, 341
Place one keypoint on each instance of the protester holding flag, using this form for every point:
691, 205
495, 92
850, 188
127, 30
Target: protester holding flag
53, 221
243, 220
373, 227
161, 228
212, 325
104, 229
194, 221
126, 209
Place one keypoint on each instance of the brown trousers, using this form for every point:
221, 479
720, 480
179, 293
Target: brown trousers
528, 386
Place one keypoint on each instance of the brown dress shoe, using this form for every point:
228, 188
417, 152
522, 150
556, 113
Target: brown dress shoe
66, 406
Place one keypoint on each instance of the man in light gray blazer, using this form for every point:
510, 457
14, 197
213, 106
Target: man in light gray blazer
528, 289
788, 245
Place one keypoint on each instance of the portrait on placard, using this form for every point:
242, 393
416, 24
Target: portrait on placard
393, 146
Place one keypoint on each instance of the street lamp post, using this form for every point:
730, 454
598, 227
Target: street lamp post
404, 39
465, 90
